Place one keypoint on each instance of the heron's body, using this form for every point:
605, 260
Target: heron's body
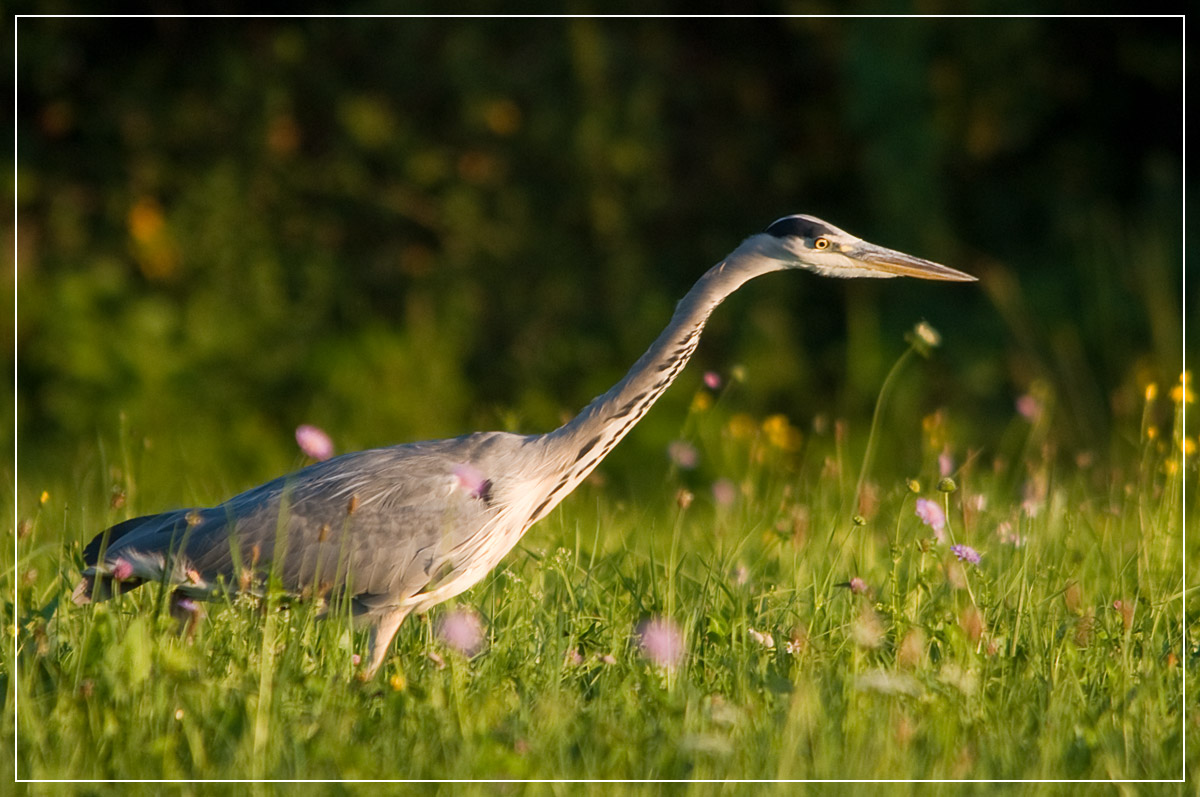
400, 529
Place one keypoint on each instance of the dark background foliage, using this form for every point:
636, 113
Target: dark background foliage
410, 228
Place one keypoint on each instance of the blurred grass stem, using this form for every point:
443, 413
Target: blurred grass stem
884, 393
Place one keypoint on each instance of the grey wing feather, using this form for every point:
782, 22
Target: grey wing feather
377, 525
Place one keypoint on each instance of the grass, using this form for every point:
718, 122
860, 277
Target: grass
1059, 656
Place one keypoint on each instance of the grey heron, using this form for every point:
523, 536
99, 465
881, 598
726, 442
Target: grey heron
397, 530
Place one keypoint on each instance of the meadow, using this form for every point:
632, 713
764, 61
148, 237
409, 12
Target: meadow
801, 635
828, 552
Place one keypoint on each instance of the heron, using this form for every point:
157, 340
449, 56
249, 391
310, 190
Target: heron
397, 530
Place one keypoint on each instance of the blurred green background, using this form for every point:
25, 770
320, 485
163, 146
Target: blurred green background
404, 229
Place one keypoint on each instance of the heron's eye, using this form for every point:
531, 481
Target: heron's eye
821, 243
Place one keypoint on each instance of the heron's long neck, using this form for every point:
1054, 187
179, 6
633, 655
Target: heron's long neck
579, 445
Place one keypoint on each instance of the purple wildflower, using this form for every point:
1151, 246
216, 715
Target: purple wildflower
187, 604
945, 462
661, 642
1008, 536
724, 492
1033, 494
932, 516
965, 553
858, 586
462, 630
1029, 408
314, 442
683, 454
713, 380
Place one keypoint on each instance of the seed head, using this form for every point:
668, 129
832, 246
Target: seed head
927, 334
867, 631
763, 638
683, 498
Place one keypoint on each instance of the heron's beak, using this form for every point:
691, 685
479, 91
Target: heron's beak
897, 264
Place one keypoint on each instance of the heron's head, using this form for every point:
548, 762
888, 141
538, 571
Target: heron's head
807, 242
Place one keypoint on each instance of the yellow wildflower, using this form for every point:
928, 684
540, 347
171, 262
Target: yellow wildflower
1182, 393
780, 433
156, 252
502, 116
742, 426
934, 426
701, 401
145, 221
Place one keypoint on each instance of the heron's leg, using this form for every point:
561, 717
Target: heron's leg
187, 613
381, 638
